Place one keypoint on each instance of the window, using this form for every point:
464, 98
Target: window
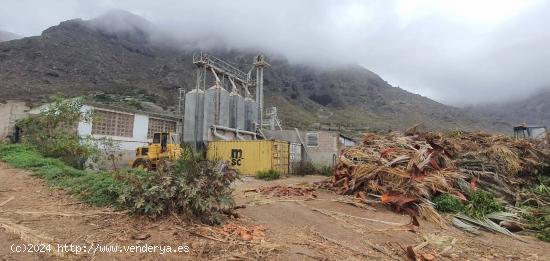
158, 125
113, 123
312, 139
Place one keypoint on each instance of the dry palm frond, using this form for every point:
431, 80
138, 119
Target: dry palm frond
487, 224
506, 216
465, 226
438, 183
429, 213
504, 157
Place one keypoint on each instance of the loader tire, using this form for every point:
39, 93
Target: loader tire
142, 164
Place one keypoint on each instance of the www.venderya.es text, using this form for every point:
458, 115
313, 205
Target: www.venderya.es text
98, 248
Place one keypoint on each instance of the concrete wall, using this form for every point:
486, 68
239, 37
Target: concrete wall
325, 153
10, 112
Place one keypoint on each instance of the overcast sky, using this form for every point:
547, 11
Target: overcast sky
458, 52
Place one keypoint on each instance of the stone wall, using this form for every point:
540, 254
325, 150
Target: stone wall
10, 112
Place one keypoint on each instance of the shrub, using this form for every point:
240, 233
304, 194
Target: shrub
268, 175
326, 170
53, 132
448, 203
308, 168
481, 203
194, 185
305, 168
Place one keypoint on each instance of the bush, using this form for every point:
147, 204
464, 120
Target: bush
326, 170
481, 203
448, 203
53, 132
268, 175
308, 168
194, 185
305, 168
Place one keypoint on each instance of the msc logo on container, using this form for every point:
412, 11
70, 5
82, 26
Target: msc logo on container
236, 157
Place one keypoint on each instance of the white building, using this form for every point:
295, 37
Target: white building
127, 128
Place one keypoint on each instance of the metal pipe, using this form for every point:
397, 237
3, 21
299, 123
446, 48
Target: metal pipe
216, 134
239, 136
233, 130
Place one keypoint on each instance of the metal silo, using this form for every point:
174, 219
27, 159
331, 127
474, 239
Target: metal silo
236, 111
193, 118
216, 109
250, 113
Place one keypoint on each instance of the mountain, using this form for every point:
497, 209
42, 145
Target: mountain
533, 110
120, 57
7, 36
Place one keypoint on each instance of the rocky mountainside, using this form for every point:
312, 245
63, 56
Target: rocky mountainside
7, 36
533, 110
107, 62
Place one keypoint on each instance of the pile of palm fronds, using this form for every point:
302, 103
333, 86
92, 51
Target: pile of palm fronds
498, 163
408, 171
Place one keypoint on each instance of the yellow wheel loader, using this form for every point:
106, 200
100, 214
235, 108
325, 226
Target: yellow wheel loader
165, 148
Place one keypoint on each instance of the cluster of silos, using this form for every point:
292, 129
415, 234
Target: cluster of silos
216, 107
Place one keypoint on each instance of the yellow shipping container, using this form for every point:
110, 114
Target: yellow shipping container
251, 156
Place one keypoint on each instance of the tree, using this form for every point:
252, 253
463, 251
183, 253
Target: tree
54, 131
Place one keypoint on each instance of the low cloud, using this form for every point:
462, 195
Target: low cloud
479, 51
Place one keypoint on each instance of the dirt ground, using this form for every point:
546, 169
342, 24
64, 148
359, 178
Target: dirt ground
297, 228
